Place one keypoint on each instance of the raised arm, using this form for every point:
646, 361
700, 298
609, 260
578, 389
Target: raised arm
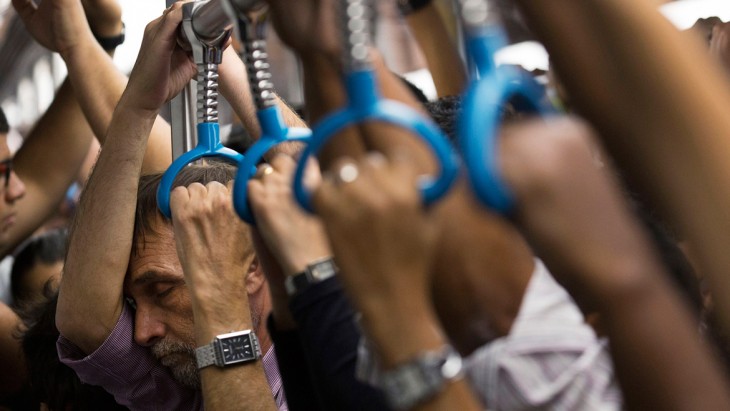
61, 26
90, 296
574, 215
46, 172
209, 235
433, 37
630, 75
386, 268
310, 28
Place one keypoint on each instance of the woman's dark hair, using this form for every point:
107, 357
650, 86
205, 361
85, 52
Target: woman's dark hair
51, 381
47, 248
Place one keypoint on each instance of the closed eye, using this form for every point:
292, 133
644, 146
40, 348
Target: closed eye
165, 293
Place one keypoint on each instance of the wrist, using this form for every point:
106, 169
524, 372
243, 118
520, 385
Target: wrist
81, 52
109, 28
131, 104
297, 264
400, 332
219, 316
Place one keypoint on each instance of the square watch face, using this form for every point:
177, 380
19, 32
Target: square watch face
237, 349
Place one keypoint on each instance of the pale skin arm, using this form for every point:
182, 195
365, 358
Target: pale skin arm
61, 26
667, 133
289, 239
90, 295
576, 219
208, 236
46, 173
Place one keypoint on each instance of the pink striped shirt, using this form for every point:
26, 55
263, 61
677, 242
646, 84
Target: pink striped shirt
137, 380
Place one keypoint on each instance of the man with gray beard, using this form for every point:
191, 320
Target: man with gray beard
147, 306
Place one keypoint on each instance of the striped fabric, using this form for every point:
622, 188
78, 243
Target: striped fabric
551, 360
271, 368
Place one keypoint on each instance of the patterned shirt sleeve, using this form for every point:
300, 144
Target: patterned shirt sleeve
128, 371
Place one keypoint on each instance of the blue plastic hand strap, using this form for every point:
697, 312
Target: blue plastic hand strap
273, 132
209, 145
366, 105
480, 120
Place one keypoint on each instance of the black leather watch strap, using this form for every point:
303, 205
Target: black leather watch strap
111, 43
407, 7
315, 272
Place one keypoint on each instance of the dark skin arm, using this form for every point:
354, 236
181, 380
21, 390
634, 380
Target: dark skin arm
666, 133
444, 61
388, 256
574, 216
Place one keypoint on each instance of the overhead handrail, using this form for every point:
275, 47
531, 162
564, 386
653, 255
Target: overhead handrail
251, 17
485, 97
207, 29
365, 104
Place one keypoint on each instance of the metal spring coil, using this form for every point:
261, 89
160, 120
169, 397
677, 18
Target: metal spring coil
259, 74
207, 93
356, 18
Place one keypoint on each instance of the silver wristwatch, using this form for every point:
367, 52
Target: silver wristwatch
229, 349
421, 379
315, 272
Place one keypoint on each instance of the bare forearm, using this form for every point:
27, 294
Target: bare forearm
98, 88
231, 387
405, 329
667, 132
659, 358
47, 174
90, 297
444, 61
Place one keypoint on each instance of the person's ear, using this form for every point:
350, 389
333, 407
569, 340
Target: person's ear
255, 278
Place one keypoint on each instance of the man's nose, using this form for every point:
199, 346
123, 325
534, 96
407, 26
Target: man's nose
147, 328
15, 189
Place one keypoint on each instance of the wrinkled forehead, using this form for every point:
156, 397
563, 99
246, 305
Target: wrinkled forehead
154, 256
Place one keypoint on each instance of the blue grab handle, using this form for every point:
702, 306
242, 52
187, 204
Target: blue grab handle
273, 132
366, 105
478, 126
209, 145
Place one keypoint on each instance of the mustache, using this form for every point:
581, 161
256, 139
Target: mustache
165, 347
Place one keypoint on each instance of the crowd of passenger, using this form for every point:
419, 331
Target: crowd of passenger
606, 287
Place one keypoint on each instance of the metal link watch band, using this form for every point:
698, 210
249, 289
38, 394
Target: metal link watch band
421, 378
205, 355
229, 349
315, 272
